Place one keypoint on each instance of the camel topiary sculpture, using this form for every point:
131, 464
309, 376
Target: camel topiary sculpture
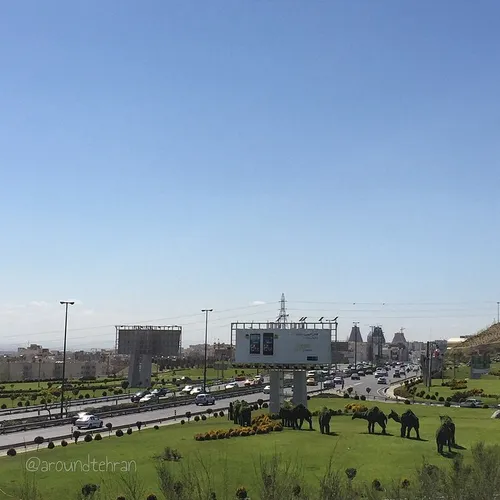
408, 421
294, 417
373, 416
445, 435
324, 417
242, 413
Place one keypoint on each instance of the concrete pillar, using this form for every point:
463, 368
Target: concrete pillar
299, 388
145, 371
276, 394
133, 370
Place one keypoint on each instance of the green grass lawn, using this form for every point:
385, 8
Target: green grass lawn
374, 456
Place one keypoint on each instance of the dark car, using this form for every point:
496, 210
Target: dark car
160, 392
138, 396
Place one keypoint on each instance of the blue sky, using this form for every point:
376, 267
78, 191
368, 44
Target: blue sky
161, 157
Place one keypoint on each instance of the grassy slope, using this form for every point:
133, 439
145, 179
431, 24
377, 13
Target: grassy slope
375, 456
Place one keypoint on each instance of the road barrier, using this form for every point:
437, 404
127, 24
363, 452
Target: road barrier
69, 436
7, 429
72, 402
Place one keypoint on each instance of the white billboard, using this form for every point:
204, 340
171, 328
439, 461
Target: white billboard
290, 346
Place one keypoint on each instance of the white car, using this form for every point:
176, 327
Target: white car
89, 422
267, 389
382, 380
196, 390
338, 380
232, 385
204, 399
148, 398
188, 389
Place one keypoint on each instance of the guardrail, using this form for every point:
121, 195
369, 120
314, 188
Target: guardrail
126, 426
126, 411
72, 402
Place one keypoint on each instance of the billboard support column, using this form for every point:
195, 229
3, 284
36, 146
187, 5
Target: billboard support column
145, 372
299, 388
133, 370
276, 392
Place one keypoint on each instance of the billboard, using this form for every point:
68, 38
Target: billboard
149, 340
283, 346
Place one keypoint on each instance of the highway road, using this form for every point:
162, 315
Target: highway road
83, 405
131, 419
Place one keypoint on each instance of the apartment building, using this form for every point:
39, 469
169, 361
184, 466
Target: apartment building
40, 369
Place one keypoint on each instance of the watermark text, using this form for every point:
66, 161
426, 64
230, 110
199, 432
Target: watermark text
35, 464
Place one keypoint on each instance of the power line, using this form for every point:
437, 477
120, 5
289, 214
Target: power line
171, 319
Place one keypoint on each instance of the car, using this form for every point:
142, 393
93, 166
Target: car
369, 371
311, 381
232, 385
338, 380
248, 383
204, 399
196, 390
472, 403
162, 391
78, 416
396, 374
89, 422
329, 384
138, 396
382, 380
187, 389
355, 376
267, 389
149, 398
361, 373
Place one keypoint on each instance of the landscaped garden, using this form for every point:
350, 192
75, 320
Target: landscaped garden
224, 456
457, 389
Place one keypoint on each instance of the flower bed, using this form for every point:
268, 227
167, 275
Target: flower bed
260, 425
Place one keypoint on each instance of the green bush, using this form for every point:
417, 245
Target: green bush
129, 431
87, 438
51, 445
97, 437
119, 433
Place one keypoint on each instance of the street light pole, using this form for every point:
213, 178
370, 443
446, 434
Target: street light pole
206, 311
498, 312
64, 303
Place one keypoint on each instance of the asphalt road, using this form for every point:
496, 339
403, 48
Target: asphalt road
131, 419
81, 407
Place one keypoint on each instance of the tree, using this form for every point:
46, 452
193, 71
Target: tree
76, 436
188, 415
368, 390
109, 426
350, 389
38, 441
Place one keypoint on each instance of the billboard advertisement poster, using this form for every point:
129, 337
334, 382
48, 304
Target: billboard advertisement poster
283, 346
255, 343
268, 349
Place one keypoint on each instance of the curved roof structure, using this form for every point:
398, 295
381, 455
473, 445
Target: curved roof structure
355, 335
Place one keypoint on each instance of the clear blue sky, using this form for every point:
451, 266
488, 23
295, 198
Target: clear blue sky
161, 157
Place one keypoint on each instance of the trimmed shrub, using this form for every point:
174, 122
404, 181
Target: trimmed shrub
440, 399
64, 443
155, 427
183, 422
362, 397
129, 431
203, 417
97, 437
51, 445
407, 402
87, 438
196, 418
265, 405
11, 452
119, 433
221, 413
447, 404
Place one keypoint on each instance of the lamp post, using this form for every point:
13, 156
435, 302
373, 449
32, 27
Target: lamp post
66, 304
206, 311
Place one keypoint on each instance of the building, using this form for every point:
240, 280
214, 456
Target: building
40, 369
